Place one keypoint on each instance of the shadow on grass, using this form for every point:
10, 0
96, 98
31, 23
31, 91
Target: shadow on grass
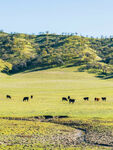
109, 77
73, 64
33, 69
105, 77
38, 69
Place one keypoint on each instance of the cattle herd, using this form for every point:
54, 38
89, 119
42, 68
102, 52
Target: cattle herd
85, 99
63, 98
24, 99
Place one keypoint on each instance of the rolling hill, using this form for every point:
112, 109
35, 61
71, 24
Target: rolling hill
20, 52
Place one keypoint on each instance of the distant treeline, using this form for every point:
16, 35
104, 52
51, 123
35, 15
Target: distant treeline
20, 51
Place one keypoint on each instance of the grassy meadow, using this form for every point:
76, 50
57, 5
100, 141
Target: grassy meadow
48, 87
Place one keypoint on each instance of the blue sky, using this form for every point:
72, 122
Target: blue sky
87, 17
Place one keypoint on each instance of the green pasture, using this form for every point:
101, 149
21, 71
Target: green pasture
48, 87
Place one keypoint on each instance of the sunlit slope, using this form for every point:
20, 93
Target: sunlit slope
3, 75
48, 88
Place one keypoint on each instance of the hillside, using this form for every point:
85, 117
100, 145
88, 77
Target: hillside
19, 52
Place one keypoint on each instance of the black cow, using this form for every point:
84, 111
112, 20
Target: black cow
31, 96
8, 96
71, 100
86, 98
103, 98
25, 99
68, 97
64, 99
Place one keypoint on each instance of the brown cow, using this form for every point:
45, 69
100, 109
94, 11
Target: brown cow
96, 99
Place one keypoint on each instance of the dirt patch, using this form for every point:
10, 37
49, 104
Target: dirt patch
94, 133
97, 138
84, 132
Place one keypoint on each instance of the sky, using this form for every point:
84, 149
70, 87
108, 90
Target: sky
86, 17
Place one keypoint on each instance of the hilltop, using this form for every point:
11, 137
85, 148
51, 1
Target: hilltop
20, 52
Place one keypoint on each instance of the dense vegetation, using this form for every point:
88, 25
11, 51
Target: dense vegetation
22, 51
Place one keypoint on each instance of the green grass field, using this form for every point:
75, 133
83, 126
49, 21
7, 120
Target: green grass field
48, 88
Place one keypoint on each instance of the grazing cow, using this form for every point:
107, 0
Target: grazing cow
8, 96
64, 99
25, 99
31, 96
71, 100
96, 99
103, 98
86, 98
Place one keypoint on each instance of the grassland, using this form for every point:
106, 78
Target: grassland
48, 87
